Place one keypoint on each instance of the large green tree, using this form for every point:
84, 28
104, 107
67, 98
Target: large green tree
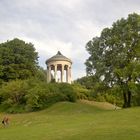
87, 81
115, 56
18, 60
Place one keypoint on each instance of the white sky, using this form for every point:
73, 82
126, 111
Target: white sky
64, 25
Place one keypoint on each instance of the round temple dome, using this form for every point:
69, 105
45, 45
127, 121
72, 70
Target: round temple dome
58, 57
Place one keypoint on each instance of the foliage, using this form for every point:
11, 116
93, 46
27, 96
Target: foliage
115, 56
82, 92
33, 94
67, 90
41, 74
114, 96
44, 95
12, 95
94, 89
87, 81
18, 60
135, 94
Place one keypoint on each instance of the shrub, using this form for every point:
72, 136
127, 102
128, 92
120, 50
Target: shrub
68, 91
33, 94
14, 91
82, 92
12, 95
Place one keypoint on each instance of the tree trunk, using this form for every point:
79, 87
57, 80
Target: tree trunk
125, 100
129, 99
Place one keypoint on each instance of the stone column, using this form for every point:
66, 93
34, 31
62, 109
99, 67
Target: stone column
48, 74
67, 74
62, 73
55, 72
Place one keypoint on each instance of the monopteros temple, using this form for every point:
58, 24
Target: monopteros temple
59, 68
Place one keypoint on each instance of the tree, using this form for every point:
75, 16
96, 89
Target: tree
115, 56
41, 74
18, 60
87, 81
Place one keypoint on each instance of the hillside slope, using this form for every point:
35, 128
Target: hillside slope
101, 105
73, 121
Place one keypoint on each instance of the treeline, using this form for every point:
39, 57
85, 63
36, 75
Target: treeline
33, 94
101, 92
23, 85
113, 72
114, 58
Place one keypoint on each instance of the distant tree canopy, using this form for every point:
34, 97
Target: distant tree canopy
115, 56
18, 60
87, 81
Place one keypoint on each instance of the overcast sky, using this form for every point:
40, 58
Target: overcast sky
64, 25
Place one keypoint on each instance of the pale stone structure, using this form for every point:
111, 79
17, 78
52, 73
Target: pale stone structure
59, 63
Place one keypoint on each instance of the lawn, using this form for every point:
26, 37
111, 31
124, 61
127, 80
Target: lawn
74, 121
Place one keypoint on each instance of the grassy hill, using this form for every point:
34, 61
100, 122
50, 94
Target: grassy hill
74, 121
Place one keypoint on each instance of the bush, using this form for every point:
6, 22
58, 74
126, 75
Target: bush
82, 92
100, 98
12, 95
14, 91
33, 94
44, 95
68, 91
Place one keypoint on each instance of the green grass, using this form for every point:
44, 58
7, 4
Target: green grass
73, 121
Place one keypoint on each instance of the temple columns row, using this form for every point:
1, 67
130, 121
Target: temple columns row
68, 73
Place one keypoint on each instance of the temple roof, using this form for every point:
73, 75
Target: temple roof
58, 57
